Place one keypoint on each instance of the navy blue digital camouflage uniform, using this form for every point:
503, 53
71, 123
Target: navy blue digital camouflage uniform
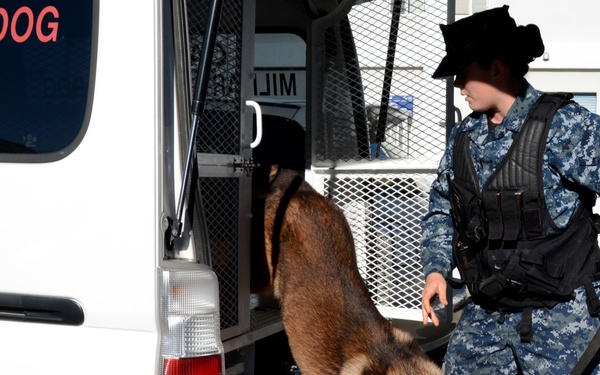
481, 344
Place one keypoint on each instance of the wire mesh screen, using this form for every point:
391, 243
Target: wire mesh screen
219, 132
221, 202
384, 212
378, 98
381, 116
340, 129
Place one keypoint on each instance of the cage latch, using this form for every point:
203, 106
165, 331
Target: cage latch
244, 165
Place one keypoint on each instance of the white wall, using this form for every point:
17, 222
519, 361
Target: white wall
570, 30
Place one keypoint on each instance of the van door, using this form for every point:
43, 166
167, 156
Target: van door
221, 225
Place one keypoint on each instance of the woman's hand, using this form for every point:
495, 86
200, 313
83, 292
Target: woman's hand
435, 285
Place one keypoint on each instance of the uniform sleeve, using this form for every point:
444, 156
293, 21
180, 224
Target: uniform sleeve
574, 144
437, 225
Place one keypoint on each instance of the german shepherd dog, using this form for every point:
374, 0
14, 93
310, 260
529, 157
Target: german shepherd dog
332, 325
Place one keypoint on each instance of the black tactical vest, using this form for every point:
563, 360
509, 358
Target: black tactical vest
507, 248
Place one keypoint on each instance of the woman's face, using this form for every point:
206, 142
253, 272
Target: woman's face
475, 84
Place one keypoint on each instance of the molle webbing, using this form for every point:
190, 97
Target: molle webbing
514, 195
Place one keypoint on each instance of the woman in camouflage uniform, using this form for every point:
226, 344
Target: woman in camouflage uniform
490, 55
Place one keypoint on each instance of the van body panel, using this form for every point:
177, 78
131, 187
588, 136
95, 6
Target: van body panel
50, 349
84, 227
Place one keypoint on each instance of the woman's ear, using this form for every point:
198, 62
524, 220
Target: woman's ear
498, 71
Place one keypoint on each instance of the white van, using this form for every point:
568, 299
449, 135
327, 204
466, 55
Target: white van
89, 180
126, 159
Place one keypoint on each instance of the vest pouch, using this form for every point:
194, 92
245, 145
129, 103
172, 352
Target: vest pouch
511, 271
541, 283
468, 213
466, 263
526, 272
542, 277
493, 286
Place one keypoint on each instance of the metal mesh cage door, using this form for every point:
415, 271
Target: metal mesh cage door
378, 132
371, 82
336, 102
224, 130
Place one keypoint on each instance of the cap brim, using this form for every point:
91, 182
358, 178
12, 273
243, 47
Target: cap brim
449, 67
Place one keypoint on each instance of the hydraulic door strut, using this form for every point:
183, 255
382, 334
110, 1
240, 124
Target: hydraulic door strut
197, 111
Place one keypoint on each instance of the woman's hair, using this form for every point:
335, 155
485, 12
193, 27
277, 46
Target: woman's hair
521, 47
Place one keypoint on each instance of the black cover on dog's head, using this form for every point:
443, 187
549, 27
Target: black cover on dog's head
485, 36
282, 143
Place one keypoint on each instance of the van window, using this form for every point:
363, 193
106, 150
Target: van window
280, 75
46, 75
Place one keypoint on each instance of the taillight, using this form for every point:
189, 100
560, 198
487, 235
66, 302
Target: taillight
191, 340
188, 366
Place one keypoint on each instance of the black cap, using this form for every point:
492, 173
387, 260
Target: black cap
484, 36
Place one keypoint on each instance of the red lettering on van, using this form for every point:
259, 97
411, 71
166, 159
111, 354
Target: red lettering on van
53, 26
13, 25
48, 17
5, 22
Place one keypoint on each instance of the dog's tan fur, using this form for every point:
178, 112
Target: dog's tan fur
332, 325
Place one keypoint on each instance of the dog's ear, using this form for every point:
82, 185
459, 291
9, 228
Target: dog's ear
273, 172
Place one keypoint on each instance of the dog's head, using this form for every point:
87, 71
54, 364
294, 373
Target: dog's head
262, 177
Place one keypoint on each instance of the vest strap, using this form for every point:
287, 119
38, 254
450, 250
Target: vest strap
494, 216
532, 222
526, 330
593, 304
510, 217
